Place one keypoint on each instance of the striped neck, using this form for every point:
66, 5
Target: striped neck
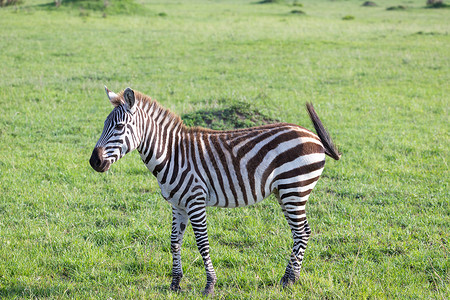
161, 133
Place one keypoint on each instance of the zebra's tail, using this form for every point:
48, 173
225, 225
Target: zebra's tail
330, 148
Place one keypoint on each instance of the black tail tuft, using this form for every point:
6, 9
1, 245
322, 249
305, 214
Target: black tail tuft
330, 148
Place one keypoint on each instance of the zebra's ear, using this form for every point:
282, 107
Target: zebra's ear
111, 96
130, 100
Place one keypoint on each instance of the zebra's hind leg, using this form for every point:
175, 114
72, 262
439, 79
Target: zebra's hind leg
294, 211
197, 216
179, 223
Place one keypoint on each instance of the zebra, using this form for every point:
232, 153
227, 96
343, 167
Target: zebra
198, 167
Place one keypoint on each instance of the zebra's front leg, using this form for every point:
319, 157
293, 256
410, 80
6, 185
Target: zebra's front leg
179, 223
197, 216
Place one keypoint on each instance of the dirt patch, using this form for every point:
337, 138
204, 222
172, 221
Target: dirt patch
297, 12
369, 4
437, 4
237, 115
271, 1
110, 7
398, 7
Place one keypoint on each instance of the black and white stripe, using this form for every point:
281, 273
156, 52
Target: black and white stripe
196, 167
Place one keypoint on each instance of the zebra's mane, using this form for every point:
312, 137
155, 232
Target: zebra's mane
147, 101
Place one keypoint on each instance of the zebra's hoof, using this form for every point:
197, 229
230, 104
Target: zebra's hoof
287, 281
208, 291
175, 287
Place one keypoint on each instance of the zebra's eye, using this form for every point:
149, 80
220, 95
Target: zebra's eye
120, 126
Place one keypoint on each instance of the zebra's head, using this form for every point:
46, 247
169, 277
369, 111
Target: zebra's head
119, 134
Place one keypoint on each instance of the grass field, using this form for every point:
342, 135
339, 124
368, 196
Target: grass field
379, 79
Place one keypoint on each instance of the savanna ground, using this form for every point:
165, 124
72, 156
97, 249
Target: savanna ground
379, 79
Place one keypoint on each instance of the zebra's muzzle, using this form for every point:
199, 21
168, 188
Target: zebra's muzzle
97, 162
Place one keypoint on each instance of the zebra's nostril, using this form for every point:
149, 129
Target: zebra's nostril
97, 162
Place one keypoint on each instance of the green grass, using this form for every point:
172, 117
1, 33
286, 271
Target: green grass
107, 7
380, 217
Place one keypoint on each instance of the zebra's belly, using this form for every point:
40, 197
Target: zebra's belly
232, 202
